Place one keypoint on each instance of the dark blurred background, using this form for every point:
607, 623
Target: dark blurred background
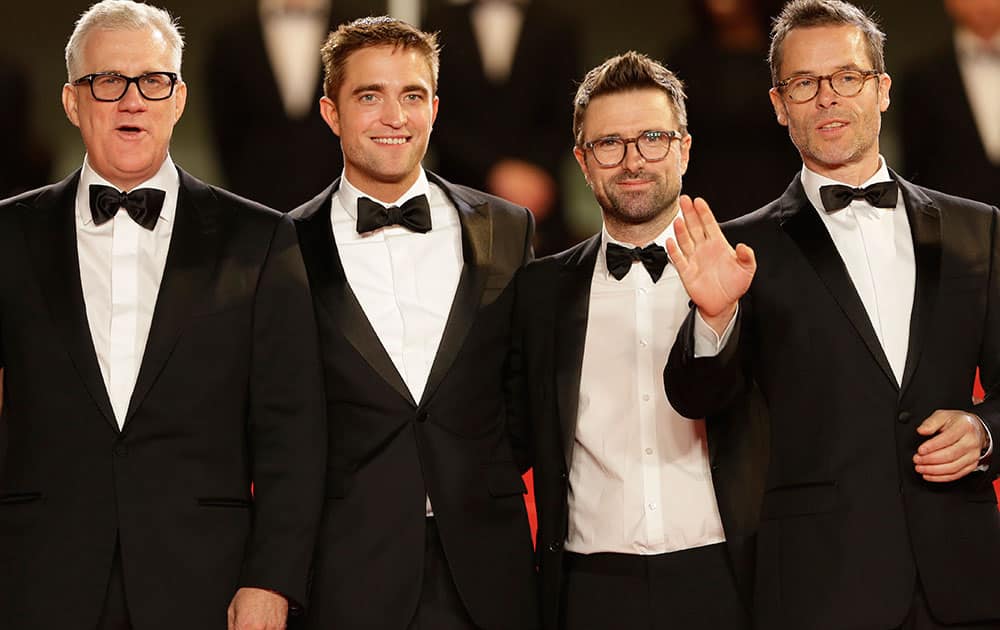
726, 71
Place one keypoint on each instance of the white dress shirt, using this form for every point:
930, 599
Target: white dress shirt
979, 65
639, 479
404, 281
497, 27
121, 265
292, 40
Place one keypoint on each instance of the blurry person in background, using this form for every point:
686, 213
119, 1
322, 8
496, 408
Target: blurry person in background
509, 67
950, 124
159, 357
743, 158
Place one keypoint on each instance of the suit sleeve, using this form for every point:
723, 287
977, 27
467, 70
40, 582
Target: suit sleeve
286, 424
515, 387
989, 351
704, 386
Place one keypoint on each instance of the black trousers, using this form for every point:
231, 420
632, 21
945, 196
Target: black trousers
693, 589
440, 606
114, 615
920, 617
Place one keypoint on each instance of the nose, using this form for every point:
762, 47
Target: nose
825, 96
132, 101
393, 114
633, 161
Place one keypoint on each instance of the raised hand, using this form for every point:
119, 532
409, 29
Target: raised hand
714, 274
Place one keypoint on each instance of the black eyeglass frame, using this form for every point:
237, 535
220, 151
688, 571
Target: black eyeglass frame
89, 78
624, 142
782, 86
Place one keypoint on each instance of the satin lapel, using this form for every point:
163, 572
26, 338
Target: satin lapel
200, 225
925, 229
50, 231
334, 295
801, 222
572, 307
477, 252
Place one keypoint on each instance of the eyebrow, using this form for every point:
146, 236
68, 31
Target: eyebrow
380, 87
810, 73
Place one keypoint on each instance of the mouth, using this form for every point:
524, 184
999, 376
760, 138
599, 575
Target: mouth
831, 125
390, 141
129, 131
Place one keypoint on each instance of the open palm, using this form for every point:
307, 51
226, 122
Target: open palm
714, 274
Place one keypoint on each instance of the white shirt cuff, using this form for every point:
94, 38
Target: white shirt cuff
707, 343
984, 459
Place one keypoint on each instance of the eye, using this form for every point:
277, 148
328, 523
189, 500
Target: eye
656, 137
154, 80
367, 98
108, 80
606, 143
413, 97
802, 83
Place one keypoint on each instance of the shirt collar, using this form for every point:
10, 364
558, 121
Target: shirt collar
812, 181
661, 240
166, 179
348, 194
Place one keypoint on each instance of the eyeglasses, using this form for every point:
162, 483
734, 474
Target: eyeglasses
846, 83
108, 87
652, 146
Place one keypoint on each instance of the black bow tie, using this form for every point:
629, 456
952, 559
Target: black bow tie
880, 195
143, 205
653, 257
414, 215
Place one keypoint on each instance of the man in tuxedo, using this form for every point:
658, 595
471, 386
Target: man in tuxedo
158, 353
873, 303
956, 90
631, 534
263, 101
424, 524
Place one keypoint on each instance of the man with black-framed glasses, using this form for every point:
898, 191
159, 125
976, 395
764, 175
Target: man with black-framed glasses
861, 305
637, 527
159, 357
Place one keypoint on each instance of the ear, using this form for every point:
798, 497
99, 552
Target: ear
70, 104
581, 159
685, 152
434, 110
180, 99
778, 103
884, 83
328, 110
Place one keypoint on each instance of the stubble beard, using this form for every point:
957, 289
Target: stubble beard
641, 207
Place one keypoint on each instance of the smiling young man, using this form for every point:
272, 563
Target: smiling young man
637, 528
159, 358
872, 306
424, 525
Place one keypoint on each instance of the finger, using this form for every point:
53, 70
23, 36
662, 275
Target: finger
964, 448
683, 237
933, 423
677, 257
942, 440
712, 229
693, 219
952, 477
745, 257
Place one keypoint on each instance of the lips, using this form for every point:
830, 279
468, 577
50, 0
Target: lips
129, 130
391, 141
832, 125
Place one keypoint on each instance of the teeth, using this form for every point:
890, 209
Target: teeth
832, 125
390, 140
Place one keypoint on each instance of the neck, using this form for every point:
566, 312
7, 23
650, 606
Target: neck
640, 234
384, 192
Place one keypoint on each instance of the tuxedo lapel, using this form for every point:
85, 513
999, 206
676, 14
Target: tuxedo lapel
50, 231
332, 291
572, 308
925, 229
477, 254
192, 258
804, 226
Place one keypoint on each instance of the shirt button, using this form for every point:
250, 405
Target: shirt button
643, 291
649, 451
642, 342
645, 397
652, 507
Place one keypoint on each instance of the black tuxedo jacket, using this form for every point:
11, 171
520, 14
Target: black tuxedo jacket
552, 304
942, 148
264, 154
847, 525
458, 444
228, 394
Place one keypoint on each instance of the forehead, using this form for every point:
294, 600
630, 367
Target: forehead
630, 112
386, 65
824, 49
127, 51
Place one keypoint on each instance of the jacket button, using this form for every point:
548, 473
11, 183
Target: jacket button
121, 450
555, 546
904, 417
422, 416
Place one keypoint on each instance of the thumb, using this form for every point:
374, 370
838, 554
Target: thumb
745, 256
932, 424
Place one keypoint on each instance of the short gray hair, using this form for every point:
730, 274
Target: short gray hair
123, 15
812, 13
